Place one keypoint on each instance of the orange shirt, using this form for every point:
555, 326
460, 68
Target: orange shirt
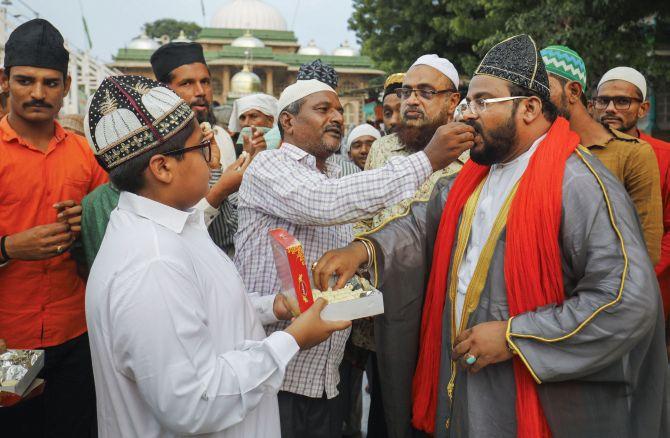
41, 302
662, 151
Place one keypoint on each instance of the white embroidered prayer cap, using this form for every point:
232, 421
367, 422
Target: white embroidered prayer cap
627, 74
442, 65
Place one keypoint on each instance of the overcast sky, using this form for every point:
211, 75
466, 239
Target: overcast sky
113, 23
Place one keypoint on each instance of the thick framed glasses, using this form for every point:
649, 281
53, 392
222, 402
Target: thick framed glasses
425, 94
205, 148
620, 102
478, 106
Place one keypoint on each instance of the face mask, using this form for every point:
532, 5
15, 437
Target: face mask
271, 136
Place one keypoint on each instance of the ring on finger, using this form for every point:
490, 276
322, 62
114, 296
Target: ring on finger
59, 249
470, 359
314, 265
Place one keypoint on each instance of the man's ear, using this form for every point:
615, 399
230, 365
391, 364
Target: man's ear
161, 169
533, 109
644, 109
286, 121
4, 80
66, 85
452, 103
573, 90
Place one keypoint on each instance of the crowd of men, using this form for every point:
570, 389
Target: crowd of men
518, 229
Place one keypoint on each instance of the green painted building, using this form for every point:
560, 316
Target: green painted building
249, 49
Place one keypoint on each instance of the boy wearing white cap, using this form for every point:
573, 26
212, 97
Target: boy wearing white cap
358, 144
177, 346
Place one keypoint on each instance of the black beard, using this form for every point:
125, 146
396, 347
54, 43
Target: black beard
206, 116
416, 138
497, 143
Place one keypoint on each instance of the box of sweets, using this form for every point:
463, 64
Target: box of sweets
18, 373
357, 299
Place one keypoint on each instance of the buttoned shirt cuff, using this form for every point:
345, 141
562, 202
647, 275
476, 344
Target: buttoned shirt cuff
210, 212
284, 346
422, 164
264, 306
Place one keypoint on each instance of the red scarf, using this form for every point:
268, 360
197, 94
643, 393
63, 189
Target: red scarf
533, 273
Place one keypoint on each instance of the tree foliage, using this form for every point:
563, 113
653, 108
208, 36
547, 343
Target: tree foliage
171, 28
606, 33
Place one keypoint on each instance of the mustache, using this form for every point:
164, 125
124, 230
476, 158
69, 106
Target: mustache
334, 128
414, 109
477, 127
38, 104
199, 102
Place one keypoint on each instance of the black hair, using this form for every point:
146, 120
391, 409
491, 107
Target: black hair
129, 176
293, 109
548, 109
563, 81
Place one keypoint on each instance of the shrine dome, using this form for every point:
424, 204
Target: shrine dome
248, 14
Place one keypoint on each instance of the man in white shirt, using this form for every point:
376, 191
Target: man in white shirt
178, 347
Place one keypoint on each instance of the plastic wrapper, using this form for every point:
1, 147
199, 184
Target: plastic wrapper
18, 369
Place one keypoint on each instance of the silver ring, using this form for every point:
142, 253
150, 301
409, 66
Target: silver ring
314, 265
470, 359
59, 249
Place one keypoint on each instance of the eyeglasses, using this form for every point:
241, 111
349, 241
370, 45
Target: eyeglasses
425, 94
478, 106
205, 148
620, 102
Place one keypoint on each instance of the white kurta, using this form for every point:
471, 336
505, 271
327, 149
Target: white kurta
498, 185
177, 345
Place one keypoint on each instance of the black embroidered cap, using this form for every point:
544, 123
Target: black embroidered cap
36, 43
319, 71
517, 60
129, 115
172, 55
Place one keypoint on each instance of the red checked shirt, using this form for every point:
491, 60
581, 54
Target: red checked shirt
41, 302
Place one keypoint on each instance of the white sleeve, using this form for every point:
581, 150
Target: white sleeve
210, 212
226, 147
159, 328
264, 306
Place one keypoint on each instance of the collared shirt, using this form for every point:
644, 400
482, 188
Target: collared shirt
662, 151
177, 346
498, 185
41, 302
283, 188
634, 164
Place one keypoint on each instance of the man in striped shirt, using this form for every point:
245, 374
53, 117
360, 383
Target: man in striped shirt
298, 187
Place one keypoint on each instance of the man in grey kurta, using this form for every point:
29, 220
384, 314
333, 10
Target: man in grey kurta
598, 357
